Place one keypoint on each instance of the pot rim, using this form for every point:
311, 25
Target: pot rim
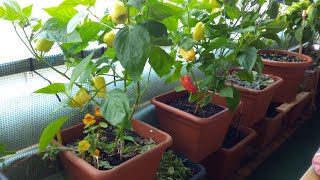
191, 117
251, 134
307, 60
278, 81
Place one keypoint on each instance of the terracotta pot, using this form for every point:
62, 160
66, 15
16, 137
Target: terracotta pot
256, 102
143, 166
297, 111
194, 137
291, 72
225, 162
268, 129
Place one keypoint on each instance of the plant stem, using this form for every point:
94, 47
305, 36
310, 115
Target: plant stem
59, 138
196, 109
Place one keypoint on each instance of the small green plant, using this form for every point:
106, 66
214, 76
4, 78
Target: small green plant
259, 82
172, 168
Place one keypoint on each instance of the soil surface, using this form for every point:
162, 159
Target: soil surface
280, 57
233, 137
109, 137
271, 112
204, 112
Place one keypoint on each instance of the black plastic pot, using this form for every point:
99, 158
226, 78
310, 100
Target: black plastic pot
199, 170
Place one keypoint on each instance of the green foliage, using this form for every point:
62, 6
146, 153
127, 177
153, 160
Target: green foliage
132, 46
115, 108
52, 89
172, 167
50, 131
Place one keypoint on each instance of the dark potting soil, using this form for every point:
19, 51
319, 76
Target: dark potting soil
233, 137
271, 112
108, 136
204, 112
280, 57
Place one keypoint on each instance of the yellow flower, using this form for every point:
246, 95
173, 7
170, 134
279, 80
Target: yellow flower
96, 153
83, 145
97, 111
89, 120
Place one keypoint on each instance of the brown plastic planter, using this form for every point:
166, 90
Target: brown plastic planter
256, 102
225, 162
292, 74
268, 129
141, 167
194, 137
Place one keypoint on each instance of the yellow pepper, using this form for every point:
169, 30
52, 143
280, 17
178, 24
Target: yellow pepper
214, 4
100, 86
189, 55
108, 38
80, 98
119, 15
44, 45
198, 32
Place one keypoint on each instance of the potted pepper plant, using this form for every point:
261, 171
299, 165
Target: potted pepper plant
133, 32
213, 38
302, 25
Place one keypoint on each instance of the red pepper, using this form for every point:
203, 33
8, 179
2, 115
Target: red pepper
187, 83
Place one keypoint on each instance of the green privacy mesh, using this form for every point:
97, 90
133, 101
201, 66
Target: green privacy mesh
24, 115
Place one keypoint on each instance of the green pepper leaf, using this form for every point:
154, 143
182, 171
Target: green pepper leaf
75, 20
247, 58
132, 46
52, 89
232, 103
160, 61
27, 10
160, 11
80, 68
63, 12
226, 92
50, 131
13, 10
56, 30
115, 108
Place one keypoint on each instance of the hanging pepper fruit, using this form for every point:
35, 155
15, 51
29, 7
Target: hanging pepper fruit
100, 86
108, 38
80, 98
43, 45
198, 32
119, 15
189, 55
187, 83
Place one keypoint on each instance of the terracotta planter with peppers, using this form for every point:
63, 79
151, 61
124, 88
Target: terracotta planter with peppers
193, 136
227, 160
256, 102
141, 167
292, 73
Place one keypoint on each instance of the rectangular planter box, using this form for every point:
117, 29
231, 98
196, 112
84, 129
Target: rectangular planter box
193, 137
225, 162
256, 102
141, 167
268, 129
